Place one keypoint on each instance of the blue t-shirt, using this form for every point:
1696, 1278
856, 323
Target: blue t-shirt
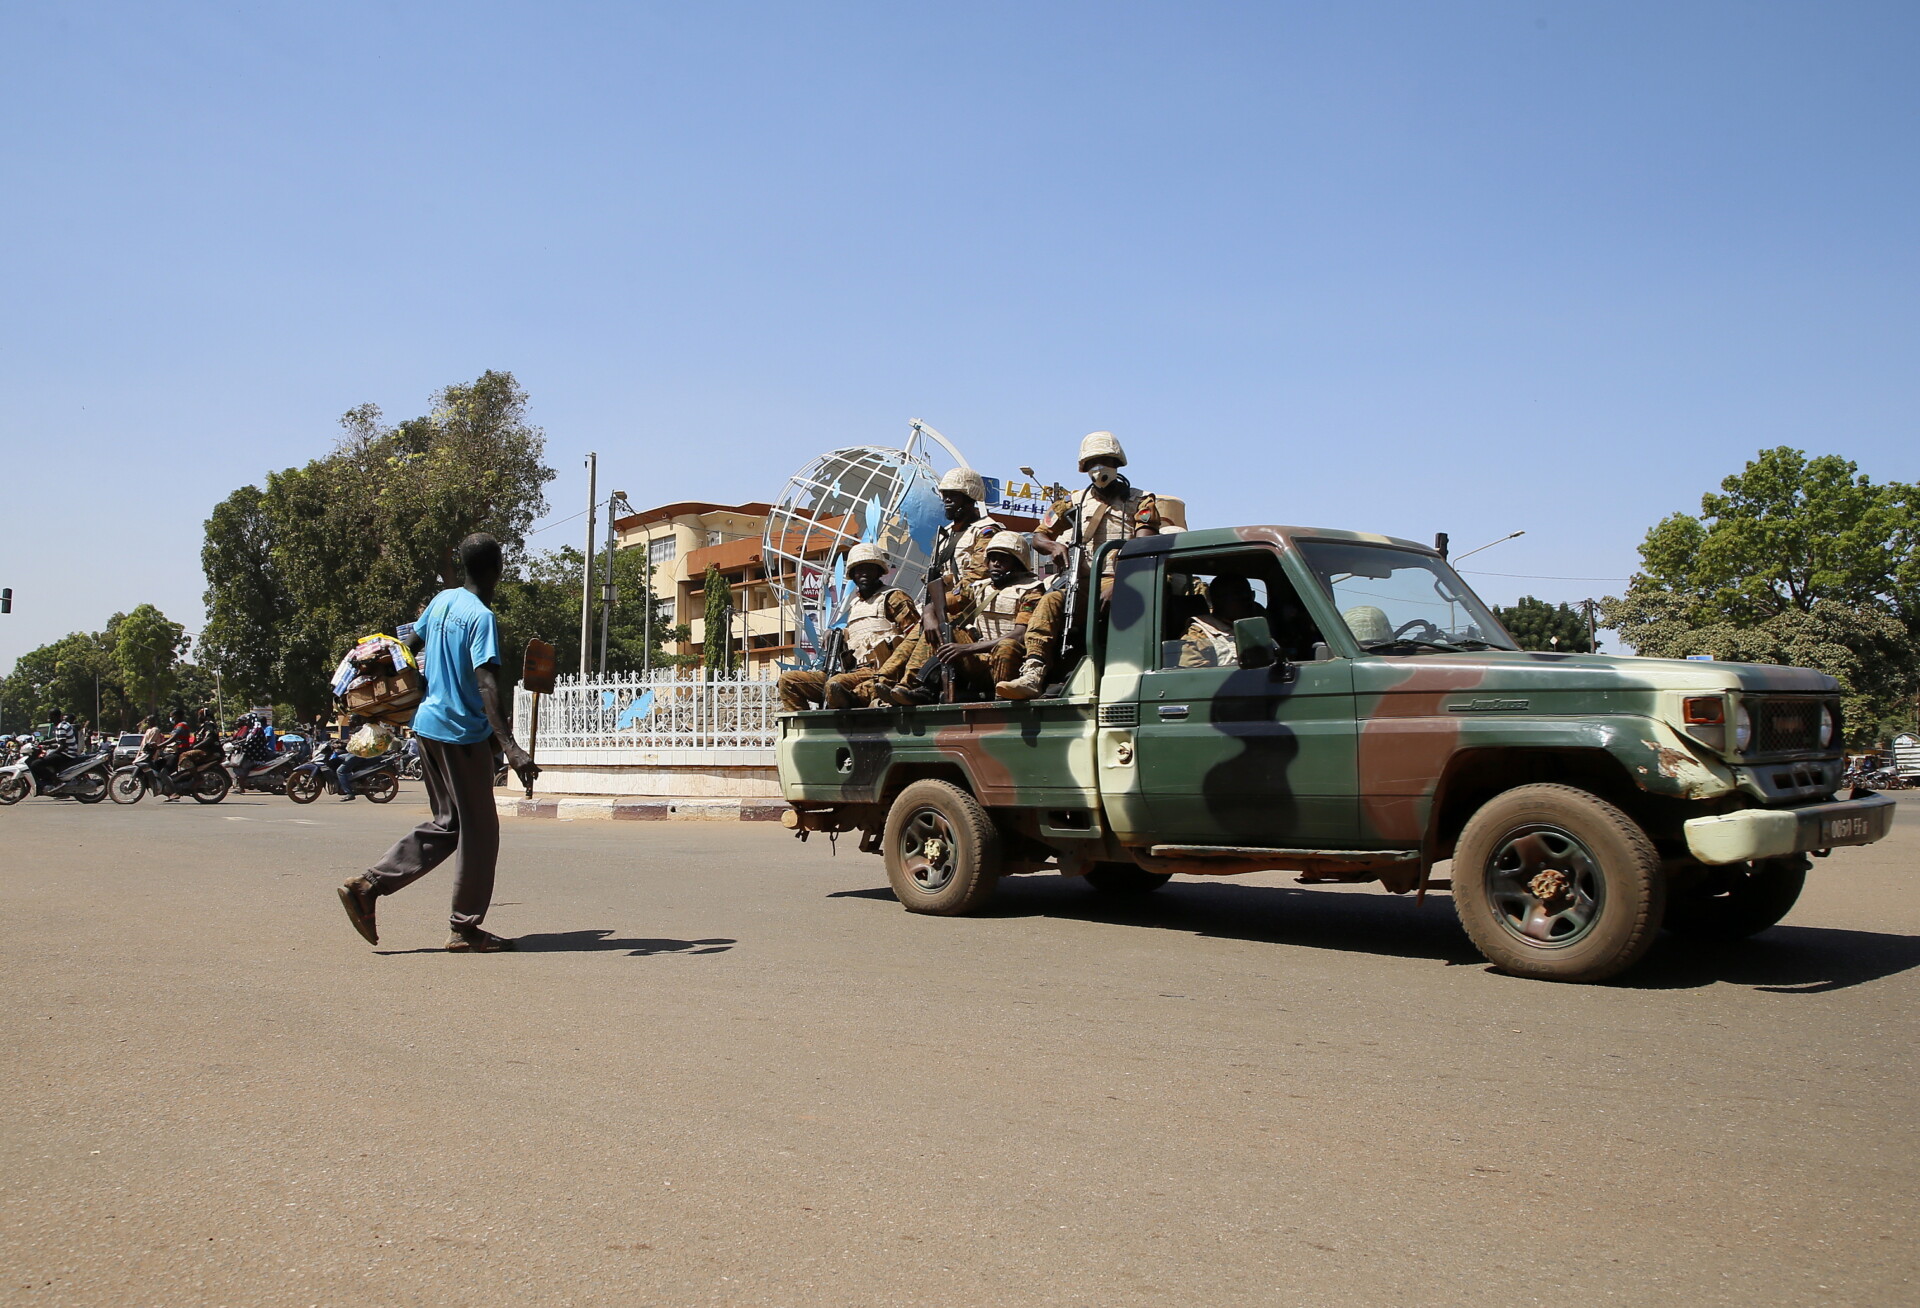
461, 635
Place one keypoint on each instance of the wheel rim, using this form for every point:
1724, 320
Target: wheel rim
1545, 886
927, 850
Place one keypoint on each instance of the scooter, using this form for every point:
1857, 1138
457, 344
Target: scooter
268, 778
379, 782
85, 780
132, 783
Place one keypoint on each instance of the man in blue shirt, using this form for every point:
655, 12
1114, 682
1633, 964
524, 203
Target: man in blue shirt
457, 642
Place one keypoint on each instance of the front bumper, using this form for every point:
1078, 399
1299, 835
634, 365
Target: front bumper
1756, 833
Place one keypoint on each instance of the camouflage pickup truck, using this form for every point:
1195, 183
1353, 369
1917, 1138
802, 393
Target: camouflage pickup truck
1367, 719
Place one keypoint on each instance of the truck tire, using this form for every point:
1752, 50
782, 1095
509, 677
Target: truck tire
1554, 883
1738, 900
1125, 880
942, 851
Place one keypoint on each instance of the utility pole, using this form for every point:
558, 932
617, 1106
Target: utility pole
586, 580
1588, 605
606, 587
646, 620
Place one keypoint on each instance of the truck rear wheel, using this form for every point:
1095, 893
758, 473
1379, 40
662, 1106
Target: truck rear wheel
942, 851
1738, 900
1554, 883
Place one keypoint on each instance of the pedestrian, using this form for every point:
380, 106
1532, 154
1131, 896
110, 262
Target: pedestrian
459, 721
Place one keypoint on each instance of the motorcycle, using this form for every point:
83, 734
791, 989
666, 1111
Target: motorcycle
379, 782
268, 778
131, 784
84, 780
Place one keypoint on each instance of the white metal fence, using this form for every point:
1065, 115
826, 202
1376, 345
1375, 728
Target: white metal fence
643, 713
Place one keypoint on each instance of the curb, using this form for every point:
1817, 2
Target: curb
625, 808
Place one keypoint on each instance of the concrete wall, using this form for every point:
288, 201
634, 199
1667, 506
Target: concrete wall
714, 774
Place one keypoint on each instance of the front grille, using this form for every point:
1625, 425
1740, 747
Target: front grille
1782, 726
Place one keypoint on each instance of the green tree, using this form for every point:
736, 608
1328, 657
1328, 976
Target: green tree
359, 540
146, 649
1539, 625
542, 599
1795, 560
717, 651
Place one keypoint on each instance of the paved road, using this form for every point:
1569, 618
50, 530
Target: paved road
729, 1070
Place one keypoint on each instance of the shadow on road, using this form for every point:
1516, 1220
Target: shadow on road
1786, 959
598, 942
587, 942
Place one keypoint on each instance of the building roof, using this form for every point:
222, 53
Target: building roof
647, 517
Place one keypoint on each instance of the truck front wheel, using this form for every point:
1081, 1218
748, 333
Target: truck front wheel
942, 851
1555, 883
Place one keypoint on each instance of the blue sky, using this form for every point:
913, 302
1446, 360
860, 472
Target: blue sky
1400, 267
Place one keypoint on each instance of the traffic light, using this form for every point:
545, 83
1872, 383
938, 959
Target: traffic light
6, 600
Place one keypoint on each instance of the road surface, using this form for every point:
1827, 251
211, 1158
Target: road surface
728, 1069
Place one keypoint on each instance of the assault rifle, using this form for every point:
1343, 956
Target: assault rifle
943, 629
1073, 616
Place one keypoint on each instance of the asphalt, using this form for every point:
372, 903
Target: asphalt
728, 1069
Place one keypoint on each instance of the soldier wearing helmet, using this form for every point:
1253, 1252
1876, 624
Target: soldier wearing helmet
999, 605
877, 619
959, 560
1107, 508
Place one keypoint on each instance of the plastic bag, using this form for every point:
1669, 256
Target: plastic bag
370, 741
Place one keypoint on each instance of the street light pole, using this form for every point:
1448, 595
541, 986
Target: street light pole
606, 587
1490, 544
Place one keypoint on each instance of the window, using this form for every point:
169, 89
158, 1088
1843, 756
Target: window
715, 536
1206, 593
662, 551
1399, 602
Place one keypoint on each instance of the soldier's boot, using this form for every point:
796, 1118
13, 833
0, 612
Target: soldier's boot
1031, 683
905, 694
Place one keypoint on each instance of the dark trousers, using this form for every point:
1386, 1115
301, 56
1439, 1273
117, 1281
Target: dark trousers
464, 823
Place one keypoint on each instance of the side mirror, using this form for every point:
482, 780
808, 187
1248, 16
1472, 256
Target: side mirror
1253, 645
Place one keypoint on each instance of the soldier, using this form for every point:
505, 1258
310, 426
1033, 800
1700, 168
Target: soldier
1000, 605
959, 560
1208, 639
1369, 624
878, 618
1107, 509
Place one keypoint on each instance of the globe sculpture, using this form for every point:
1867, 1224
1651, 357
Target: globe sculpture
861, 493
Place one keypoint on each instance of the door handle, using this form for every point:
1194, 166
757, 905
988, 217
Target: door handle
1172, 712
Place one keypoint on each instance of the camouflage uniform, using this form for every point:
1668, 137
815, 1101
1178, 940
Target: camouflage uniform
960, 558
1086, 520
996, 613
1206, 644
875, 629
1082, 519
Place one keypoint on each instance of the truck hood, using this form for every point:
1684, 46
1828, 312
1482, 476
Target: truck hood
1500, 670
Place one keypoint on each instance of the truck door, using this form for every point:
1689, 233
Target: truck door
1232, 756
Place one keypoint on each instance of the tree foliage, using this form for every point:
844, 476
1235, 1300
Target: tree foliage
717, 649
1795, 560
1539, 625
360, 540
111, 678
543, 600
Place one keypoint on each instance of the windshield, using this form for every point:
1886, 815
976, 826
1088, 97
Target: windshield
1395, 601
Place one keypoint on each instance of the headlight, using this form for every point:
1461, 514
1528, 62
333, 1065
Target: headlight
1829, 724
1742, 729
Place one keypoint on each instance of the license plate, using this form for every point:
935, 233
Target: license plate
1837, 830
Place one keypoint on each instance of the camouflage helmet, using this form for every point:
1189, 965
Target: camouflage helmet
868, 552
965, 480
1014, 543
1368, 623
1101, 445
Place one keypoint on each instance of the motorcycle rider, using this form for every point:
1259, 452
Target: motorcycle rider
202, 751
61, 752
352, 765
255, 749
